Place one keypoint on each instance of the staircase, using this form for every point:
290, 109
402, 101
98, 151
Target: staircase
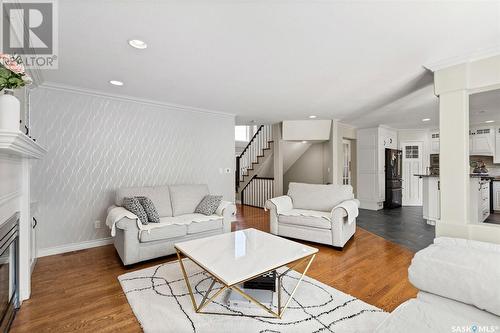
251, 160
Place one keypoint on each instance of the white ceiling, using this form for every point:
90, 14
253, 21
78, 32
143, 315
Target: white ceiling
360, 62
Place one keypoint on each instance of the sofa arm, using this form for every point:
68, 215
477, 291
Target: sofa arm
279, 204
276, 206
227, 210
340, 211
127, 224
344, 224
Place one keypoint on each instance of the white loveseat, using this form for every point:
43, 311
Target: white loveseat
459, 283
315, 212
175, 204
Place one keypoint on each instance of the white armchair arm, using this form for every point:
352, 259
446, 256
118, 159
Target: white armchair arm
344, 221
280, 204
276, 206
227, 210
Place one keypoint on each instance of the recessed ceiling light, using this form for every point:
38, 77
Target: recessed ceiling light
116, 83
138, 44
313, 117
489, 121
426, 119
304, 141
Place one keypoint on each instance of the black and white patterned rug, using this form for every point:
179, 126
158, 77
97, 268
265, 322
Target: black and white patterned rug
159, 298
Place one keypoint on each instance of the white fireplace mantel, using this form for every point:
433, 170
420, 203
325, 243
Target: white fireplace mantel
16, 153
18, 144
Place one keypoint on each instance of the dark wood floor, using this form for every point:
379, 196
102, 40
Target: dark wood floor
79, 291
404, 226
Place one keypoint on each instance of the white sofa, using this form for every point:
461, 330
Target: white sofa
315, 213
459, 283
175, 204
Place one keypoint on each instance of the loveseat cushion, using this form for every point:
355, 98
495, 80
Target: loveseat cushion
317, 196
306, 221
212, 222
160, 195
185, 198
165, 232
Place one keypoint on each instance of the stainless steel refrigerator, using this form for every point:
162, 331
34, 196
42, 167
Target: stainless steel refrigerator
393, 178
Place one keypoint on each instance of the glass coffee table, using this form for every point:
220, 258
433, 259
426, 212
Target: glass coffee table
231, 259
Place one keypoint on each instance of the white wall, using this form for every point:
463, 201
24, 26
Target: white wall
97, 144
308, 168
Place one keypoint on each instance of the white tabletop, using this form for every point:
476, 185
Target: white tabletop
237, 256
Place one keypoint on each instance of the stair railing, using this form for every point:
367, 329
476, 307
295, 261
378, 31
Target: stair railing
257, 192
252, 151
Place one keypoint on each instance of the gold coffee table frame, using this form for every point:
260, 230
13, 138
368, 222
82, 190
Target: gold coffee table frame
206, 299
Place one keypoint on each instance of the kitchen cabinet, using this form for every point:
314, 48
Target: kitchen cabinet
480, 199
496, 195
434, 140
371, 145
431, 199
482, 141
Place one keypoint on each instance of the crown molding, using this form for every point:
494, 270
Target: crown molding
126, 98
462, 59
18, 144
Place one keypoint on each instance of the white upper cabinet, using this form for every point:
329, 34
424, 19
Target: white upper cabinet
482, 141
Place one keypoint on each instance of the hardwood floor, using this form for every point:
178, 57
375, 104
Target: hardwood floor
79, 291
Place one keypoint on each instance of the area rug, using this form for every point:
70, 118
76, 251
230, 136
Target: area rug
160, 300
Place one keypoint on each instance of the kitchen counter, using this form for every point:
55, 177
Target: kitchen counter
480, 205
472, 175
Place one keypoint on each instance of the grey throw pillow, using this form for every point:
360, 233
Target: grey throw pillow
133, 205
150, 209
208, 204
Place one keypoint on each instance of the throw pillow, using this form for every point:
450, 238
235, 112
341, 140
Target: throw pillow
150, 209
133, 205
208, 204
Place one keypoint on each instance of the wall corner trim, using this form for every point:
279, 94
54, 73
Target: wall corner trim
127, 98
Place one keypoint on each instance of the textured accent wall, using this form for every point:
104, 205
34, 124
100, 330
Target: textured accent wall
97, 144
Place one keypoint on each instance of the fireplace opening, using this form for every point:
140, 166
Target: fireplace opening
9, 271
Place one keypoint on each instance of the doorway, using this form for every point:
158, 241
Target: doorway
412, 164
347, 172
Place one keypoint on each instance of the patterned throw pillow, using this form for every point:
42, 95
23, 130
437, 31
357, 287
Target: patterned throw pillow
209, 204
133, 205
150, 209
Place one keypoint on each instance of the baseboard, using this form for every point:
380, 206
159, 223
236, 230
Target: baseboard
74, 247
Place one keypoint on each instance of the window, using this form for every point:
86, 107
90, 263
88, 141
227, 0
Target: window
241, 133
411, 151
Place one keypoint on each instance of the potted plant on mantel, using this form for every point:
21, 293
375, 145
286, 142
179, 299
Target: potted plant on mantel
12, 76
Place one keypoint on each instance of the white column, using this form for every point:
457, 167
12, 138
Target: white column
454, 157
277, 160
25, 234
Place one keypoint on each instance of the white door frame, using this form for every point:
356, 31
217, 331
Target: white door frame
347, 162
408, 177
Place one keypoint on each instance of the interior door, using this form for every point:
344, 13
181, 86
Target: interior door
412, 164
346, 173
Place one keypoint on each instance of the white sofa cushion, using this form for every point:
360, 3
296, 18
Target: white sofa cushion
185, 198
305, 221
160, 195
317, 196
202, 226
165, 232
465, 274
